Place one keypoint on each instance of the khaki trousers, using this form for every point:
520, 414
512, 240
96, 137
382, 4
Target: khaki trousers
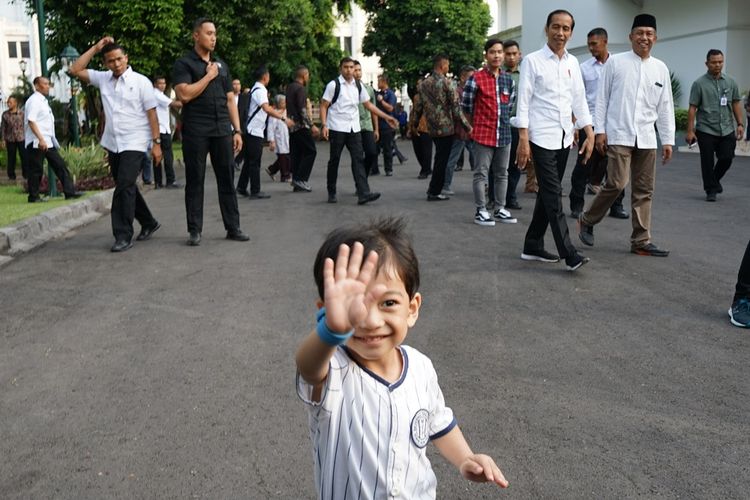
625, 162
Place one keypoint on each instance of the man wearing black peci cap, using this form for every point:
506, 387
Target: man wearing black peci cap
634, 95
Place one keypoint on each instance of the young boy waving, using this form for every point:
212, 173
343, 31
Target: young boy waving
373, 403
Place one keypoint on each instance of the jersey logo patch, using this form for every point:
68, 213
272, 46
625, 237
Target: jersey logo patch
420, 428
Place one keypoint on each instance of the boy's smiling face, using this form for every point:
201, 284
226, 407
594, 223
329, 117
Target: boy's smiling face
375, 341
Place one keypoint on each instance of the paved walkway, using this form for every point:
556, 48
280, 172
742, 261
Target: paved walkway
167, 371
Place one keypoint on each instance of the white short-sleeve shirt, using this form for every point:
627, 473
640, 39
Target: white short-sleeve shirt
278, 132
258, 97
37, 110
162, 111
343, 115
369, 436
126, 100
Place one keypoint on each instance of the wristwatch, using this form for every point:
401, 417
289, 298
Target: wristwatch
157, 140
237, 132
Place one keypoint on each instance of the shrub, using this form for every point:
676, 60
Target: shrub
681, 119
88, 162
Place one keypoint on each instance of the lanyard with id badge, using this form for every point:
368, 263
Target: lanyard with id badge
723, 99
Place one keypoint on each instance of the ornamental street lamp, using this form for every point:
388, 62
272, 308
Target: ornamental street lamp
67, 58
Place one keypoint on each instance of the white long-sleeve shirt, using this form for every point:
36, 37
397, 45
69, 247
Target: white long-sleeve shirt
550, 92
278, 132
591, 71
634, 94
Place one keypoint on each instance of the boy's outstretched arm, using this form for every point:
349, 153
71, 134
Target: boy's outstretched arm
479, 468
346, 300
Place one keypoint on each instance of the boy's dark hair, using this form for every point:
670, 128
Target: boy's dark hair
387, 237
713, 52
110, 47
492, 41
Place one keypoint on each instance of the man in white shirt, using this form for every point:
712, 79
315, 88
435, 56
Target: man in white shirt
41, 143
163, 105
596, 168
550, 93
254, 109
339, 114
634, 95
131, 125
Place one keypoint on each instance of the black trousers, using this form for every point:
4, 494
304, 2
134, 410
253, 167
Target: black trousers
723, 148
252, 149
13, 148
35, 158
514, 173
194, 151
387, 137
127, 201
353, 142
442, 152
742, 290
302, 153
550, 168
167, 160
370, 148
422, 145
590, 172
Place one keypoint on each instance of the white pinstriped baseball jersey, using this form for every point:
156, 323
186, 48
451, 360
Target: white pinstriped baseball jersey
369, 436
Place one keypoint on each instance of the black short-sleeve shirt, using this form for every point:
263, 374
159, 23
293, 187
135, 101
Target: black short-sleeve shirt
207, 115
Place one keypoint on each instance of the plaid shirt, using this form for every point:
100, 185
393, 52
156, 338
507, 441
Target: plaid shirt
439, 105
494, 133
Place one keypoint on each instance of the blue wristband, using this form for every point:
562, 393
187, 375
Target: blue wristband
326, 335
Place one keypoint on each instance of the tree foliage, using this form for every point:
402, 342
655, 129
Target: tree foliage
406, 34
278, 33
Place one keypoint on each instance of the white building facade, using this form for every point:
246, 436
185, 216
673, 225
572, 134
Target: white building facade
687, 29
19, 41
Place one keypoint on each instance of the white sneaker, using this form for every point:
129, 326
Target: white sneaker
504, 216
482, 217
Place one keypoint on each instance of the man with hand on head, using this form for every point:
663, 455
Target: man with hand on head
131, 125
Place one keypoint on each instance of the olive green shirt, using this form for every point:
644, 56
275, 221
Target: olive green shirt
515, 75
365, 117
713, 97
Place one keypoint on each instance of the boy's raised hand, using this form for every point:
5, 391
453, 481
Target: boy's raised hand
482, 469
345, 287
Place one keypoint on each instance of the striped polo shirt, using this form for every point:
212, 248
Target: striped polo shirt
369, 435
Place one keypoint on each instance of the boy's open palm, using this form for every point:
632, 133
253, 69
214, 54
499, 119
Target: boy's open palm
345, 287
482, 469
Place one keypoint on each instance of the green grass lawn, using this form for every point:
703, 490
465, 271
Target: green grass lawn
14, 205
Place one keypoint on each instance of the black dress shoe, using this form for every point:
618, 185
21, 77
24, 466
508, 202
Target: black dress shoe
37, 200
194, 239
585, 232
389, 173
121, 245
175, 185
332, 198
243, 192
368, 198
148, 231
422, 176
437, 197
513, 206
618, 213
260, 195
710, 196
237, 235
74, 195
